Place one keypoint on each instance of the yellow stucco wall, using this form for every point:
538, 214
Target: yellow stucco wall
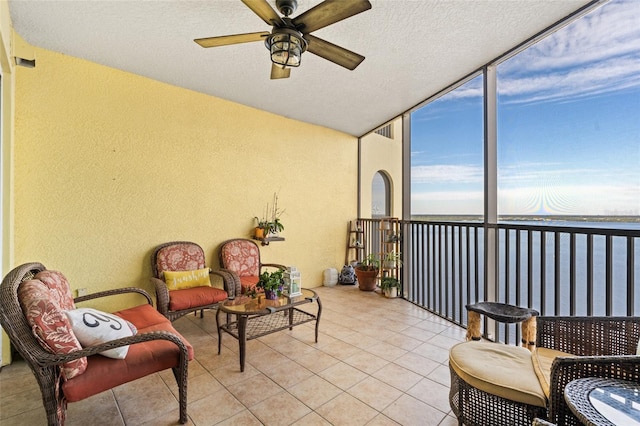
109, 164
379, 153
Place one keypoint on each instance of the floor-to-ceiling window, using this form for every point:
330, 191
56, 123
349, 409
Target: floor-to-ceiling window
446, 155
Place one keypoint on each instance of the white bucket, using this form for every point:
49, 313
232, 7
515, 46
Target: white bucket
330, 277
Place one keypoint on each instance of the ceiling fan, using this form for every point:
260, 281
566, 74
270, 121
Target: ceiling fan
290, 37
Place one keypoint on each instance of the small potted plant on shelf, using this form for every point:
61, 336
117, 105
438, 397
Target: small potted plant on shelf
367, 272
272, 283
269, 225
391, 260
389, 286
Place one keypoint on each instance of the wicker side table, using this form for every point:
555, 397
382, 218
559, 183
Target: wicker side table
502, 312
604, 402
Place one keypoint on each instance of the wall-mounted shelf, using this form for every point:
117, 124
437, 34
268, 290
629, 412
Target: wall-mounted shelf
267, 240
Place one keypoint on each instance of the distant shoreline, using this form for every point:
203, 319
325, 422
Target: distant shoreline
526, 218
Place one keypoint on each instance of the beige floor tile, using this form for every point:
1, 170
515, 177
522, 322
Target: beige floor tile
312, 419
340, 349
346, 410
393, 370
287, 374
98, 410
432, 352
21, 402
408, 410
280, 409
256, 389
387, 351
145, 406
382, 420
366, 362
314, 391
243, 418
375, 393
316, 361
418, 364
342, 375
220, 406
434, 394
398, 377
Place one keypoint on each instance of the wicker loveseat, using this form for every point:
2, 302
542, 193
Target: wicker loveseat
46, 328
495, 384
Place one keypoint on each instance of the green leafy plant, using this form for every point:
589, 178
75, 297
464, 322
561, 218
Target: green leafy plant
271, 281
369, 263
392, 259
389, 282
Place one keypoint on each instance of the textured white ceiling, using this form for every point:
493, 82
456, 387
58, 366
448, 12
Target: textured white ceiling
413, 49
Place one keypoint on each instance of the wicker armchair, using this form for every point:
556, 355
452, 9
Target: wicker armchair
599, 347
186, 256
603, 347
155, 347
240, 257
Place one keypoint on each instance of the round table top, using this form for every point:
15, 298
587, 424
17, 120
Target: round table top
604, 402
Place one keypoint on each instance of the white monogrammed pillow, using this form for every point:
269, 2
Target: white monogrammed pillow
93, 327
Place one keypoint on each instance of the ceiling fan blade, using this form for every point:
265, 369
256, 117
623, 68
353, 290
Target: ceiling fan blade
331, 52
231, 39
279, 72
264, 11
329, 12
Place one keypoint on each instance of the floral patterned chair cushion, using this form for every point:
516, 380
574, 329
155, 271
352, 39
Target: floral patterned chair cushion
180, 257
44, 300
241, 257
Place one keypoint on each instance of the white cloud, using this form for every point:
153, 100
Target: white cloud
446, 173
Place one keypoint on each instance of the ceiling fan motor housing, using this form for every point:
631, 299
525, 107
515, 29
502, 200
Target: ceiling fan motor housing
287, 7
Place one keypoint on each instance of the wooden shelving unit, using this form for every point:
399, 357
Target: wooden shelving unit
355, 242
389, 247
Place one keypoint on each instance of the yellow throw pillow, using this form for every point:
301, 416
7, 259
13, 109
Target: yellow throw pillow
179, 280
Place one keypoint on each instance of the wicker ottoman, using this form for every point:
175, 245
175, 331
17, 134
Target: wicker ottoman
485, 392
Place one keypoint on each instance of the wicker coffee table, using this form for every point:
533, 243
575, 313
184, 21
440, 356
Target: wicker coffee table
256, 317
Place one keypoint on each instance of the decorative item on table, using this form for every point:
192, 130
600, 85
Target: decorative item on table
292, 282
269, 225
272, 283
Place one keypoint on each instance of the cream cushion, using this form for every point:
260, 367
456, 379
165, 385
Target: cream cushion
502, 370
542, 360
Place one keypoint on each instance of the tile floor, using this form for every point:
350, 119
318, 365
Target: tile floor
378, 361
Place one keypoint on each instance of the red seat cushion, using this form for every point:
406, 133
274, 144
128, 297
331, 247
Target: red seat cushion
142, 359
143, 316
248, 282
195, 297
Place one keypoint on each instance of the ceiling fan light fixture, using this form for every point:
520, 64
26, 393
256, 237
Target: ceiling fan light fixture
286, 47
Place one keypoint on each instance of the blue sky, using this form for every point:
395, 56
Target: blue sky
568, 127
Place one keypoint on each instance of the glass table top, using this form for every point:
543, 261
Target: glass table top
260, 304
618, 404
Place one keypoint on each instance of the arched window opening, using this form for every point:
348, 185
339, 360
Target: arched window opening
380, 195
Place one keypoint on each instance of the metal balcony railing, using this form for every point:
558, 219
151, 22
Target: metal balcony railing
557, 270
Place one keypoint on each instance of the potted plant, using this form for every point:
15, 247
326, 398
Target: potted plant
269, 224
272, 283
391, 260
367, 272
389, 286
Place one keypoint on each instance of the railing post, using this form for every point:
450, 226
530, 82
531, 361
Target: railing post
490, 187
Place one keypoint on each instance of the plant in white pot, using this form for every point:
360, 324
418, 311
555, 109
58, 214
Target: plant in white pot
392, 259
390, 286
